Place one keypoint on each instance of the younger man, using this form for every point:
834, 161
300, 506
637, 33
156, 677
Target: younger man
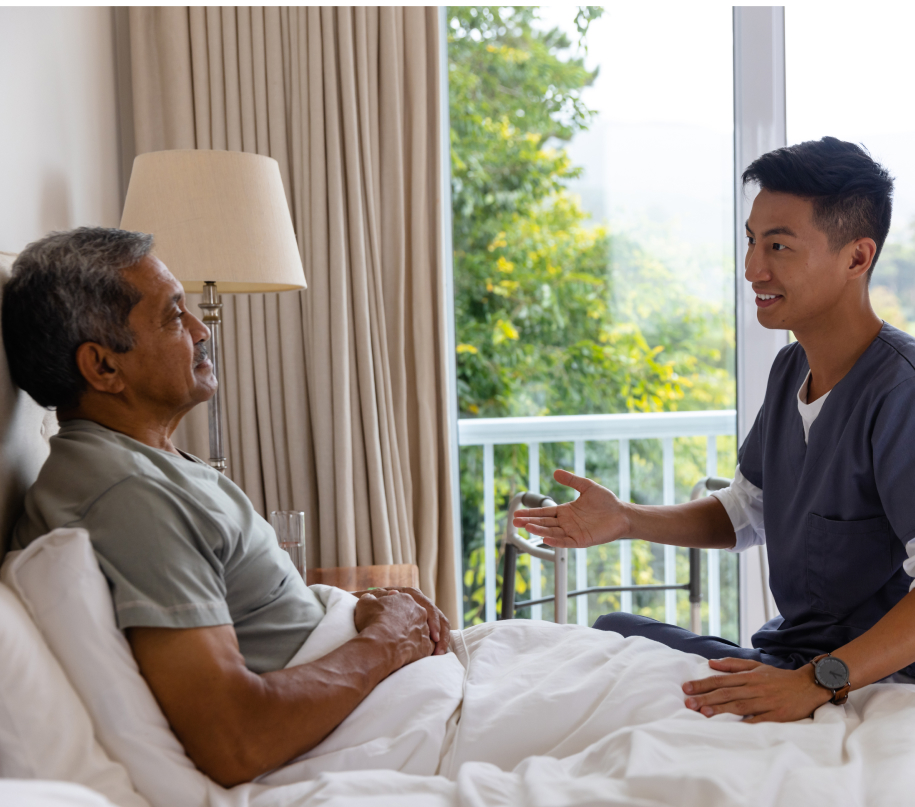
825, 476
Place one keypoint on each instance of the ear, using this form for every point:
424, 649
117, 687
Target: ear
863, 251
98, 365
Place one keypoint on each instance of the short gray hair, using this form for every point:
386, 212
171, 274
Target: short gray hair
66, 289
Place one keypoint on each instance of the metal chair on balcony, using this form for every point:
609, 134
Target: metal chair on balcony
513, 545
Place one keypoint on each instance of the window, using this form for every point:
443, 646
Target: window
592, 189
862, 100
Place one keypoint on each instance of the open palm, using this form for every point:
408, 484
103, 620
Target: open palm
595, 517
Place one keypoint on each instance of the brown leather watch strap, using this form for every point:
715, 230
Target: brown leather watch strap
839, 696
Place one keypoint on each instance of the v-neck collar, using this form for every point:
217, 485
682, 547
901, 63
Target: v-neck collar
809, 412
844, 394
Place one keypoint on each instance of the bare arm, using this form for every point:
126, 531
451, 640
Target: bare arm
885, 649
598, 517
235, 724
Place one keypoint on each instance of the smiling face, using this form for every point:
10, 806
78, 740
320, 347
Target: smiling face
167, 371
800, 281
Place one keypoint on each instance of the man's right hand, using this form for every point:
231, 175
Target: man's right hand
595, 517
403, 622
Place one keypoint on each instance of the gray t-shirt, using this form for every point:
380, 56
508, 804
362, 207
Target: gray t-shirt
180, 543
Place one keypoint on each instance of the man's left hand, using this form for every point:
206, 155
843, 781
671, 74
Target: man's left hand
439, 626
758, 692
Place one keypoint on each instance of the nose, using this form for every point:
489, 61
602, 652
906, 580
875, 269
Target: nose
755, 266
200, 330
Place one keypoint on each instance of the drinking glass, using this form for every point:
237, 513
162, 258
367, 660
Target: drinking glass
290, 532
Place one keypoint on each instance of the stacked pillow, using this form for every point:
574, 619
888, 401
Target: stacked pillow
45, 731
58, 579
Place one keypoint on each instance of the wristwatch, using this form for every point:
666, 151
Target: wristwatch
831, 673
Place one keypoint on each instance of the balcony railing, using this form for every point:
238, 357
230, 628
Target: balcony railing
580, 429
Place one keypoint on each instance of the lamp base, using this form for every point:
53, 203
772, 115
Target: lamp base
212, 318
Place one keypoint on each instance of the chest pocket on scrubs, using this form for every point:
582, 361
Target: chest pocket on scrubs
847, 562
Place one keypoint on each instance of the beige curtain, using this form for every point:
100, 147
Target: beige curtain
335, 396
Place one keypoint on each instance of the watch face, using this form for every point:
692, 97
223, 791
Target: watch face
831, 673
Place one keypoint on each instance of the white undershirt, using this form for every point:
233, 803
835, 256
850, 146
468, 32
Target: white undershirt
743, 501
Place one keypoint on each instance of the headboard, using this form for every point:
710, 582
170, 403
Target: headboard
25, 429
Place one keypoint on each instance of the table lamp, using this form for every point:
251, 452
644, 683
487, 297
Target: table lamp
219, 218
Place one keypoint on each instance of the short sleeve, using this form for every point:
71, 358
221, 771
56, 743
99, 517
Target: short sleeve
161, 556
743, 502
894, 460
750, 454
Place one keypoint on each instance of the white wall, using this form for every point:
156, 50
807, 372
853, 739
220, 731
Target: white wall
59, 161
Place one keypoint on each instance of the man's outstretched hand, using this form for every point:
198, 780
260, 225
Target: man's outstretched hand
595, 517
758, 692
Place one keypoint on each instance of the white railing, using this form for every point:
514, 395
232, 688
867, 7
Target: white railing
579, 429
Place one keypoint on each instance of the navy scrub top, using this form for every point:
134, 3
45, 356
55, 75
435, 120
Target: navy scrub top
838, 510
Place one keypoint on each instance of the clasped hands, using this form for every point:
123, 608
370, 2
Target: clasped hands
411, 613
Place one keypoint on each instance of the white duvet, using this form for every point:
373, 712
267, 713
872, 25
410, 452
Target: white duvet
531, 713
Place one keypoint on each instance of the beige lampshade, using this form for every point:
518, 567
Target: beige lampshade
217, 216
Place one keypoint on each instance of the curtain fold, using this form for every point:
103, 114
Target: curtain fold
335, 396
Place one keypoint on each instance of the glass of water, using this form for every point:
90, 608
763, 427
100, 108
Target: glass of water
290, 532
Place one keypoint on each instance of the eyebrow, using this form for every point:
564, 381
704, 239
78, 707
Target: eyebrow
772, 231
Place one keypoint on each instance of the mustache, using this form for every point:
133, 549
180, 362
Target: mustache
200, 353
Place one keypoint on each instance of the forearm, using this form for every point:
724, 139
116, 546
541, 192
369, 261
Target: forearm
249, 724
703, 523
885, 649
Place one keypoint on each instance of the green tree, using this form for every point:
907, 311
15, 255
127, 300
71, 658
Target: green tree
893, 283
533, 279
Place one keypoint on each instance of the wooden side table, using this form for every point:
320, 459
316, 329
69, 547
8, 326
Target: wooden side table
359, 578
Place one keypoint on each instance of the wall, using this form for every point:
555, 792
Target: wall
59, 160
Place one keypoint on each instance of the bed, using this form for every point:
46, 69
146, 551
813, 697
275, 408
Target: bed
520, 713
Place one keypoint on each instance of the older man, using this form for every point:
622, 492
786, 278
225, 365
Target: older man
95, 326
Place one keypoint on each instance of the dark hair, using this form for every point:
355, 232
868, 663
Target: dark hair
66, 289
852, 194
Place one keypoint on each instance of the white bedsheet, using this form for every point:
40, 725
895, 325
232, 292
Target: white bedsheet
401, 725
529, 713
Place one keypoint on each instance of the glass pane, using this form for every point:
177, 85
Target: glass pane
864, 101
594, 261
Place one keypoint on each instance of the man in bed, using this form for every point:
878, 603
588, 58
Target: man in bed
96, 326
826, 476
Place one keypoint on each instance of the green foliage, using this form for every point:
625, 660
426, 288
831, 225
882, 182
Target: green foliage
556, 314
893, 283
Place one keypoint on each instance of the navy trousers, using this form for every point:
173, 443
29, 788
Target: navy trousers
710, 647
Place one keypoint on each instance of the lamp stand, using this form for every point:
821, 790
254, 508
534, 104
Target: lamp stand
212, 318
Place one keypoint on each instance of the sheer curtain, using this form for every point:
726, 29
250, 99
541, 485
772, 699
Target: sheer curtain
335, 396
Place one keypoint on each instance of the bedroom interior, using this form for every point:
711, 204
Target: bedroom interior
369, 323
341, 400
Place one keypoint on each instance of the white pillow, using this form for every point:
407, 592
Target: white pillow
45, 731
59, 580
